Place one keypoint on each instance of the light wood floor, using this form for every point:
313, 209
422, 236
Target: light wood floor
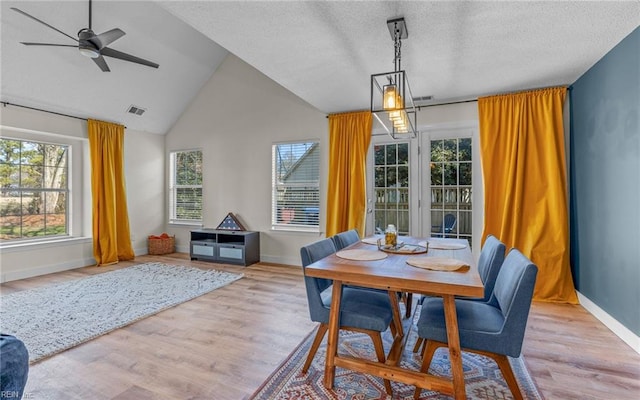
224, 344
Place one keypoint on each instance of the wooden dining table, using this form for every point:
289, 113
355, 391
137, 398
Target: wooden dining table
396, 276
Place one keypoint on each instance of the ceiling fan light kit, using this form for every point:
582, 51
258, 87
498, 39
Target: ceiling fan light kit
391, 99
92, 45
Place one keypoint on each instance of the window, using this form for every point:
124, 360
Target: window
295, 199
391, 186
185, 187
451, 188
34, 188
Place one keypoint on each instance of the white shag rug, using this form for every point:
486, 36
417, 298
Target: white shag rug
54, 318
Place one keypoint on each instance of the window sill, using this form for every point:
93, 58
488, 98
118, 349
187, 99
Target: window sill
43, 244
197, 224
296, 229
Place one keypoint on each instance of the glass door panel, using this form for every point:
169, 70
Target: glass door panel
391, 187
451, 190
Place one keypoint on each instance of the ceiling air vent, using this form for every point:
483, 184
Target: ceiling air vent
136, 110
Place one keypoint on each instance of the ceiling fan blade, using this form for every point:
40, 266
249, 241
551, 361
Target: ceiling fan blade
104, 39
127, 57
100, 61
49, 44
42, 22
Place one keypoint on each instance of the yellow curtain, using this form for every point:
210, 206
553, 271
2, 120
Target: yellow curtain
525, 188
349, 138
111, 236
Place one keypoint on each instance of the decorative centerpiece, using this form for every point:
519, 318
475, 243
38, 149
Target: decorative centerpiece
402, 248
391, 235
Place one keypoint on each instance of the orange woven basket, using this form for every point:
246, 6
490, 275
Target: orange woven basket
161, 245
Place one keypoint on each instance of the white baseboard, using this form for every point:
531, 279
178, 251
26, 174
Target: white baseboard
141, 251
49, 269
183, 249
280, 260
616, 327
46, 269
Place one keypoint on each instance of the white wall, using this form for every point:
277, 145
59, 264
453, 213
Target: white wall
453, 115
144, 172
234, 120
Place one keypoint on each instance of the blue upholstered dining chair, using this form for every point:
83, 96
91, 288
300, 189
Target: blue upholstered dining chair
491, 259
494, 328
489, 263
346, 238
361, 310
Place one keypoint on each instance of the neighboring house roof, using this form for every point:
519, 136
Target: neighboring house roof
296, 173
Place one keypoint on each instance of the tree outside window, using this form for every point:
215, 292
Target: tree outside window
186, 186
34, 189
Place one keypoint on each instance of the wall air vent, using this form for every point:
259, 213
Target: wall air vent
136, 110
422, 98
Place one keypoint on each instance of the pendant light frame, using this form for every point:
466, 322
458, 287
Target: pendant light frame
391, 98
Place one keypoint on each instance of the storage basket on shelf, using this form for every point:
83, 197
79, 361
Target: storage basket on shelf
163, 244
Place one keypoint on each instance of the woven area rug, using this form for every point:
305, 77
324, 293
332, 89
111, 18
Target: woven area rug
54, 318
482, 376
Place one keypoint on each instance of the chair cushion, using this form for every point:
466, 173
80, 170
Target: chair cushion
480, 324
362, 308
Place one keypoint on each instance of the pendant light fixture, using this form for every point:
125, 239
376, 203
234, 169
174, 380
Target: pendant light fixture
391, 98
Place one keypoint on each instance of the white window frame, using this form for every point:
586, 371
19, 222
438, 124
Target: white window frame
79, 209
173, 188
66, 191
275, 186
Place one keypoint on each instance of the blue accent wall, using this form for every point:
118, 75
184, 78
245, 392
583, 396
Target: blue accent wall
605, 182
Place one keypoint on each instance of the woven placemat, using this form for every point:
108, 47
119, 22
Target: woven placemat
373, 239
438, 263
442, 245
361, 255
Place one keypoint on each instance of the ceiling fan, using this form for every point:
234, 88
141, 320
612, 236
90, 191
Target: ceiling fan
92, 45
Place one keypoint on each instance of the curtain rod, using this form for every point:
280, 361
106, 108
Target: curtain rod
569, 87
6, 103
437, 104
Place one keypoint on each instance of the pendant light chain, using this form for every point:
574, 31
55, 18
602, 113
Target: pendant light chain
397, 45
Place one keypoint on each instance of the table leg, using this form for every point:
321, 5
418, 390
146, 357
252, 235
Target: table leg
395, 307
455, 355
332, 339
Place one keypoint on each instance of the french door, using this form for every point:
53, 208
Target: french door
451, 190
428, 186
389, 203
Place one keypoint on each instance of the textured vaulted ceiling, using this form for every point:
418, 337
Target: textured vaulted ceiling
59, 79
324, 52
